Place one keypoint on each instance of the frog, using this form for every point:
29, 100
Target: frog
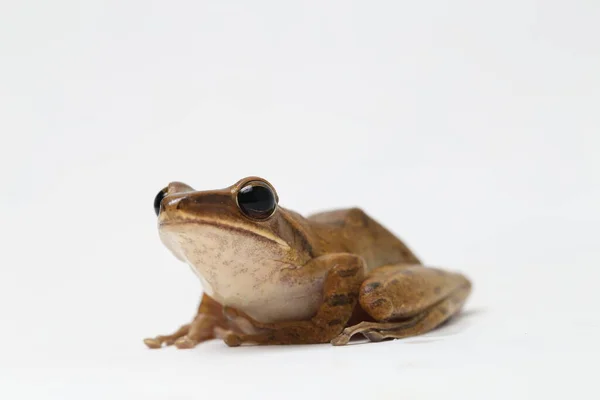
271, 276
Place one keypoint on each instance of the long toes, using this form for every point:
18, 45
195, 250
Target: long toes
159, 341
341, 340
153, 343
185, 342
344, 337
374, 336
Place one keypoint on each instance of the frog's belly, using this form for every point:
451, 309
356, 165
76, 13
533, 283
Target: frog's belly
240, 270
271, 300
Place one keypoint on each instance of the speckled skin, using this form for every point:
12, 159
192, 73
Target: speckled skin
292, 280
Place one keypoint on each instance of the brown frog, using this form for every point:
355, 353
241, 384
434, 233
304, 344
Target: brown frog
271, 276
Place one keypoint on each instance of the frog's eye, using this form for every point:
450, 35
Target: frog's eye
158, 200
257, 200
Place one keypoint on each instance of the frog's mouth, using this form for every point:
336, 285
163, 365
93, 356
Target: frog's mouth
234, 227
212, 242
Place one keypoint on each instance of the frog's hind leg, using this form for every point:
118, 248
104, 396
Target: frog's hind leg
407, 300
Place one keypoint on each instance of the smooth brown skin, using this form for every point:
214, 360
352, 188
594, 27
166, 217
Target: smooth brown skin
365, 279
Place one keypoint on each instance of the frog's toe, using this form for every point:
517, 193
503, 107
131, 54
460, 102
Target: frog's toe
159, 341
374, 336
341, 340
185, 342
167, 340
153, 343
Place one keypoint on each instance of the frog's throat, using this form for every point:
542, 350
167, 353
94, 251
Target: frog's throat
234, 227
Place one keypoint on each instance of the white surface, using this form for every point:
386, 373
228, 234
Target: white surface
470, 129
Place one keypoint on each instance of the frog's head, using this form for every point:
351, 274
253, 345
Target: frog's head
231, 233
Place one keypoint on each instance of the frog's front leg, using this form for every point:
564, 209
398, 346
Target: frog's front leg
407, 300
340, 295
202, 328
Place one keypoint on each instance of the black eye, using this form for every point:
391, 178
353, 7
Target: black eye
158, 199
257, 200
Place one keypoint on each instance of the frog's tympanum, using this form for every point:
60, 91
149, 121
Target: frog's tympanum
271, 276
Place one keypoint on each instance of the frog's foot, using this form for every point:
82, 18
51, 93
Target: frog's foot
201, 329
167, 340
374, 331
424, 310
188, 336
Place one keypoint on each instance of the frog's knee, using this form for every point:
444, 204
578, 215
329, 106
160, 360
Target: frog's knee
374, 300
357, 217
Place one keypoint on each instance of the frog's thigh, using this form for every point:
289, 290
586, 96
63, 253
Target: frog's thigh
407, 301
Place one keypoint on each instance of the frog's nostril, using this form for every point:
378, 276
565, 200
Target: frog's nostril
178, 203
171, 203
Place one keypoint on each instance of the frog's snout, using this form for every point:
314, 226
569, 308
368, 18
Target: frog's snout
174, 188
169, 199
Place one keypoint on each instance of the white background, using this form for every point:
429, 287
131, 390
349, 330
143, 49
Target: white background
469, 128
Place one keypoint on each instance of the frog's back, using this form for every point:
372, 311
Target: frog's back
352, 230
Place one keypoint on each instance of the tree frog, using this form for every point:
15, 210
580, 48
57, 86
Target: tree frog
272, 276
